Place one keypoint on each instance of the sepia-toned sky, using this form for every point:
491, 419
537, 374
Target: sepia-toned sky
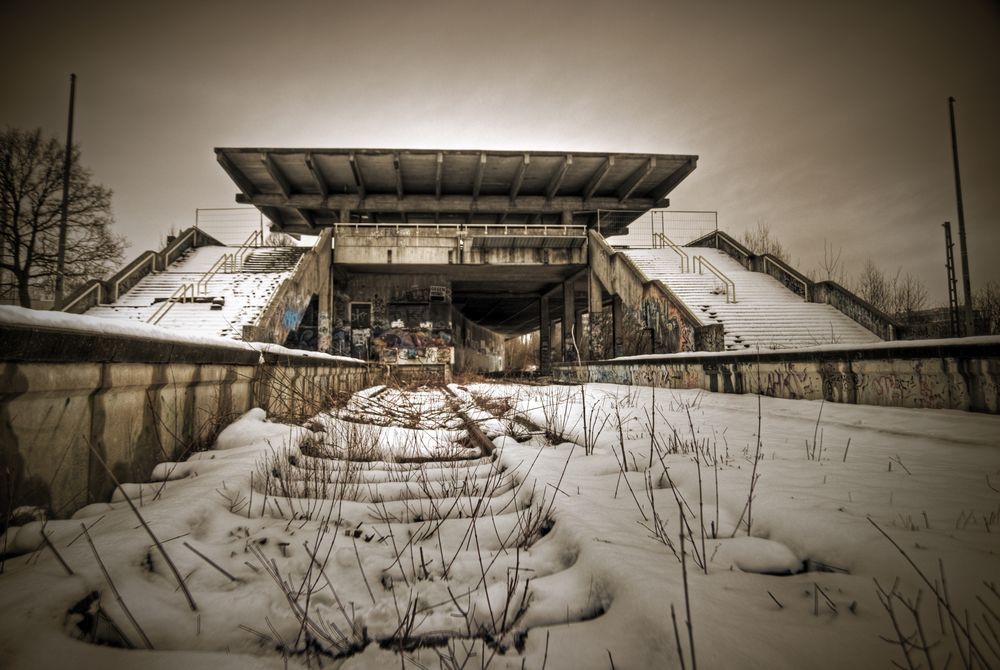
826, 120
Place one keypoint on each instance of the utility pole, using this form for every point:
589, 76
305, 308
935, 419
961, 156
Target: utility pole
968, 320
953, 324
64, 213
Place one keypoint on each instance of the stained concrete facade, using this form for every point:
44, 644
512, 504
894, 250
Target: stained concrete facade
70, 400
961, 374
438, 256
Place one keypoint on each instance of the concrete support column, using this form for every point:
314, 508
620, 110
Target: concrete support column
324, 279
582, 340
568, 323
617, 319
595, 293
544, 332
595, 317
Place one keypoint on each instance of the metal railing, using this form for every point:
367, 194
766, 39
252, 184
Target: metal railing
475, 229
229, 225
177, 296
665, 242
701, 263
682, 226
226, 263
253, 241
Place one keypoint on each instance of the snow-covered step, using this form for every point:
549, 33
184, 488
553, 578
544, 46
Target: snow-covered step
766, 314
222, 304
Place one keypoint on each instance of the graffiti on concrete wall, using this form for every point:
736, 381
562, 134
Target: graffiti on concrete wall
599, 331
671, 331
931, 381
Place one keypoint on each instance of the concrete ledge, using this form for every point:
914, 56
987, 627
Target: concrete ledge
67, 396
37, 344
941, 374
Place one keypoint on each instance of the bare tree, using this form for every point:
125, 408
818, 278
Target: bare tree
30, 200
910, 296
898, 295
877, 287
760, 240
832, 269
986, 301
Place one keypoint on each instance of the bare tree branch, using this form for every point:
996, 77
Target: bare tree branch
30, 199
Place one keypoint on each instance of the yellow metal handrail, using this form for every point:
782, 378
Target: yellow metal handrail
255, 240
175, 297
226, 263
701, 262
665, 241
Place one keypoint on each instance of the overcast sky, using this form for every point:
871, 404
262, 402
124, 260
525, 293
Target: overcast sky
829, 120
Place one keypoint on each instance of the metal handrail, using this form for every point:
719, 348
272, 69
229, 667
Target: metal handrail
253, 241
466, 228
150, 256
226, 262
175, 297
701, 262
666, 241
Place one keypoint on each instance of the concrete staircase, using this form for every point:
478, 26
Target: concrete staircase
766, 314
273, 259
230, 300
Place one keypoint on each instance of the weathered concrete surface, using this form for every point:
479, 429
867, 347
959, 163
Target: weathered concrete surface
648, 318
283, 314
69, 400
477, 349
963, 374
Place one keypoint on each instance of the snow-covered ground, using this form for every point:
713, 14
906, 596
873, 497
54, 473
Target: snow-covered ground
563, 550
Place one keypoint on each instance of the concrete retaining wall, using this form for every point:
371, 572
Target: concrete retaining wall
959, 374
69, 399
284, 311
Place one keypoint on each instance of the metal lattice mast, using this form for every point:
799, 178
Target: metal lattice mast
952, 282
968, 318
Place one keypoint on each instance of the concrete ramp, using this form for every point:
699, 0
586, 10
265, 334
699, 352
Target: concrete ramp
765, 313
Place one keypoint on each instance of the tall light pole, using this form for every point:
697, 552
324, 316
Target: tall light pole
64, 212
969, 320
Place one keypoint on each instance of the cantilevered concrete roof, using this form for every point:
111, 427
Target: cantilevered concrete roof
301, 190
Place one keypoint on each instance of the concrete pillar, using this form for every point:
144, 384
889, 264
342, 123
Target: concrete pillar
582, 341
568, 323
595, 316
617, 319
595, 293
544, 332
324, 280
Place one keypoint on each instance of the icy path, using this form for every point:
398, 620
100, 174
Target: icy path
546, 555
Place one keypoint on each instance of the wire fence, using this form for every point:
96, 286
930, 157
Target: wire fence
230, 225
679, 226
